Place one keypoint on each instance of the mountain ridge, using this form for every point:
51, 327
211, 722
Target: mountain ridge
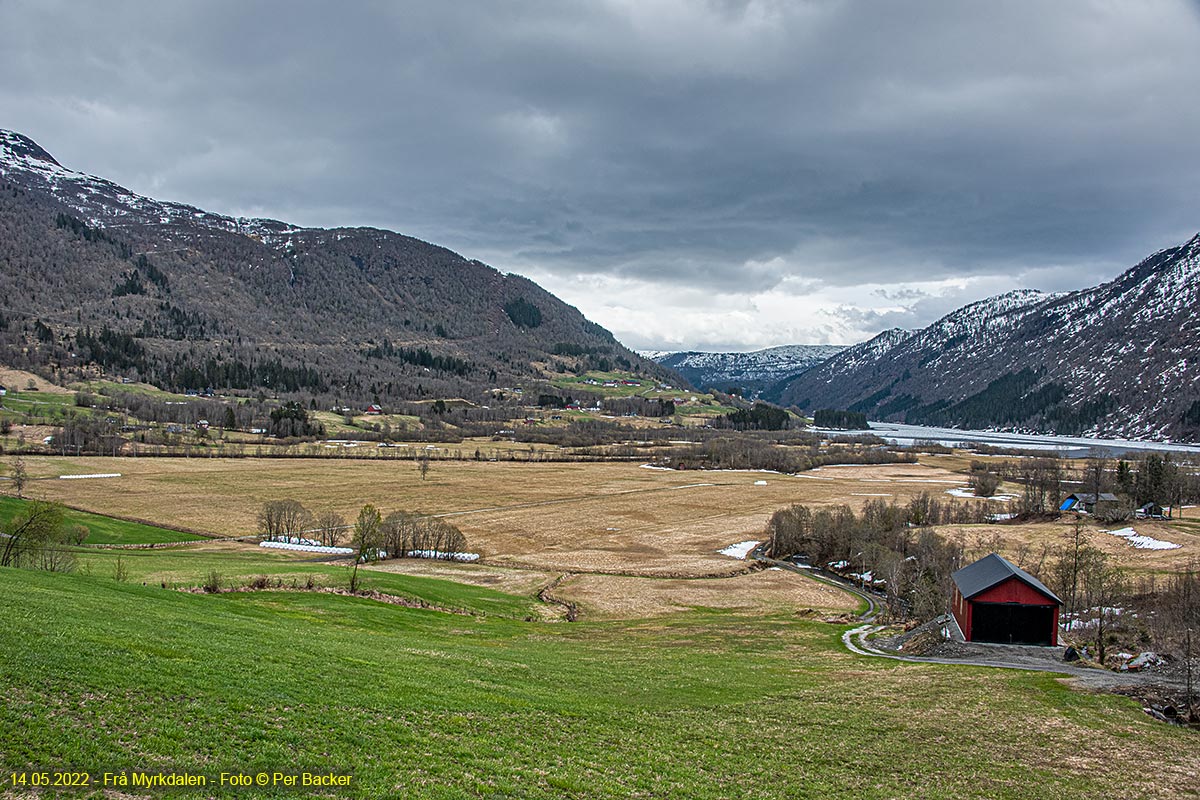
184, 296
749, 372
1117, 359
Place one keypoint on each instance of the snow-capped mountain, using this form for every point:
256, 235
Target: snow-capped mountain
96, 275
1119, 359
102, 203
749, 372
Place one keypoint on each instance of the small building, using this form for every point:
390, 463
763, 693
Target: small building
996, 601
1152, 511
374, 408
1086, 501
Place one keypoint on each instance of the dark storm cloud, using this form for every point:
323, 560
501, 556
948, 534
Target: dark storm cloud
735, 147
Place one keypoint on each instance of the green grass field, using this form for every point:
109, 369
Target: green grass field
40, 404
238, 565
101, 675
105, 530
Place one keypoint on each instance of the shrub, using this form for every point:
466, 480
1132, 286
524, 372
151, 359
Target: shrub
212, 582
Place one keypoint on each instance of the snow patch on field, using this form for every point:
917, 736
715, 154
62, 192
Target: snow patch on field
739, 550
1143, 542
969, 494
94, 475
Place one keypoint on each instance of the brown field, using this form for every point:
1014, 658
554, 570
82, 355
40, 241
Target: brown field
599, 517
1026, 542
764, 591
17, 380
607, 526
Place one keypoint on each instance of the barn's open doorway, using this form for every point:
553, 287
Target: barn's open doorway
1013, 623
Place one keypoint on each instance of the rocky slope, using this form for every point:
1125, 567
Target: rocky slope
96, 274
1119, 359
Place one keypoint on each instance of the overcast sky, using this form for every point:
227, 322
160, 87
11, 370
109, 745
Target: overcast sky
720, 175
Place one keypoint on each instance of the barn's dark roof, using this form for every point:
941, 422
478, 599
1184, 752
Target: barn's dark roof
991, 570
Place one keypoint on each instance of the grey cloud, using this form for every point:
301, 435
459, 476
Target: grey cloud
727, 146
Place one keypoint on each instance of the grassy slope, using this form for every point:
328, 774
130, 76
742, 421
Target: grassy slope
105, 530
238, 564
422, 704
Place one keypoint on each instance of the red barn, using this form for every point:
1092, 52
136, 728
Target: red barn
997, 601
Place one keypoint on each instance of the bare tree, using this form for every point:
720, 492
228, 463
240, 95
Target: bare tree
329, 526
423, 465
1106, 585
19, 476
283, 520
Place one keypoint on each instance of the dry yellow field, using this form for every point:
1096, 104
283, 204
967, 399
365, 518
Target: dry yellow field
606, 527
17, 380
596, 517
766, 591
1025, 542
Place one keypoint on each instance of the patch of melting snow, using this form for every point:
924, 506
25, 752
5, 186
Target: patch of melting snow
739, 550
1143, 542
94, 475
969, 494
657, 467
760, 483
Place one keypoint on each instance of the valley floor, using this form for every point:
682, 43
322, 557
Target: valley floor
689, 674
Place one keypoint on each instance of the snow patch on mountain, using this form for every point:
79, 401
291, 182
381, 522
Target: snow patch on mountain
102, 203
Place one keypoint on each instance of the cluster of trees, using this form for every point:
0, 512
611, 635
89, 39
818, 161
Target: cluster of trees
289, 521
1093, 588
523, 313
401, 534
747, 452
638, 406
292, 420
1169, 607
1153, 478
895, 543
760, 417
420, 357
841, 420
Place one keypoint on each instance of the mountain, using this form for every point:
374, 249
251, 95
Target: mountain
750, 372
94, 274
1119, 359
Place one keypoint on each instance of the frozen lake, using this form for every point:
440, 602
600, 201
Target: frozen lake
1068, 446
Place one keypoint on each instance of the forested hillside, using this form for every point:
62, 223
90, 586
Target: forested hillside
97, 277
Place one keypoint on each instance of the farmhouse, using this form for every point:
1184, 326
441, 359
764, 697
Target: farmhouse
996, 601
1086, 501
